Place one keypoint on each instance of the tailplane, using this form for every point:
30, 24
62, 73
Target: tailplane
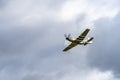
89, 41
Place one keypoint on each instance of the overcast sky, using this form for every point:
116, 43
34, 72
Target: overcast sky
32, 39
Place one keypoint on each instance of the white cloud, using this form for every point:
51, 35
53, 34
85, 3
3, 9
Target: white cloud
89, 75
98, 75
72, 74
71, 9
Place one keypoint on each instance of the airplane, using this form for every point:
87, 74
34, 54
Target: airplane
78, 41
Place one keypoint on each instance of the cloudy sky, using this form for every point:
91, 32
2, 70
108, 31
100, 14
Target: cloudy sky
32, 39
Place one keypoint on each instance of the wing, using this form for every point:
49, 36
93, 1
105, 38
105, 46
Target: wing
70, 46
82, 36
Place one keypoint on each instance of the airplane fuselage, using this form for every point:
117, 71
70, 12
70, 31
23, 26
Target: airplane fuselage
84, 42
75, 41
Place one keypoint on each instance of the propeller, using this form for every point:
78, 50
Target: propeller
67, 36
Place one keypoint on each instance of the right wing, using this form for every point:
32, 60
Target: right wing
70, 46
82, 36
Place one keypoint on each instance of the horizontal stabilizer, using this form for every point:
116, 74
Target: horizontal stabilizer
89, 41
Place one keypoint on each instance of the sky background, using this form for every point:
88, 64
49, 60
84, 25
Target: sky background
32, 39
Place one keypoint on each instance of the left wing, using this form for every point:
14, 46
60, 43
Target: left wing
70, 46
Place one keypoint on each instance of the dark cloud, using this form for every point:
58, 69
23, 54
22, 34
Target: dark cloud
105, 54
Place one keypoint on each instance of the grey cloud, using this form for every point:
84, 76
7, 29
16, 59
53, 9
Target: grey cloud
3, 3
25, 48
104, 53
37, 46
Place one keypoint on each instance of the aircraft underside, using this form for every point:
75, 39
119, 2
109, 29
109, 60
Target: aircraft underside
78, 41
